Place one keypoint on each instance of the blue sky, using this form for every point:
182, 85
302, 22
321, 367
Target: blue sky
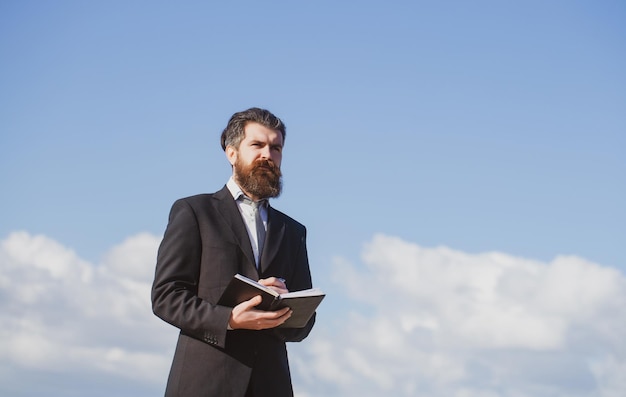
484, 135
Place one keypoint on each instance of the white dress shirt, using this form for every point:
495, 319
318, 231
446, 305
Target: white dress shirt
247, 214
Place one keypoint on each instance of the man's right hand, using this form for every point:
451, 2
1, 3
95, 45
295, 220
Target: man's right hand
245, 316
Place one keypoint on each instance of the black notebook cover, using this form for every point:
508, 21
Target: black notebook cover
303, 303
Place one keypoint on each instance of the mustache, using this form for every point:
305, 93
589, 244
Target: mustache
267, 164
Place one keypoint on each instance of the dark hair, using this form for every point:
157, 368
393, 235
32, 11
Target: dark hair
234, 132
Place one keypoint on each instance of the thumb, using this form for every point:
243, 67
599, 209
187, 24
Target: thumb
254, 302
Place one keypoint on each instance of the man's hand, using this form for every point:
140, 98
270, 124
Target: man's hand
275, 283
245, 316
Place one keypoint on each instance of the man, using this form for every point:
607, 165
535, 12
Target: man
224, 351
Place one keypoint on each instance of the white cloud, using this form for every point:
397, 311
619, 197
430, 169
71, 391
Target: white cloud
417, 321
439, 322
60, 313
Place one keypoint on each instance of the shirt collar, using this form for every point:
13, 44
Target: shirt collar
238, 194
234, 189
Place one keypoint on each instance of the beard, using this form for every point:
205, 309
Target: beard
261, 179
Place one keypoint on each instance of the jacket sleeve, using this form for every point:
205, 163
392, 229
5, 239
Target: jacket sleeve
175, 288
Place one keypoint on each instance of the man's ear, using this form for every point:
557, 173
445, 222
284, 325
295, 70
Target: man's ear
231, 155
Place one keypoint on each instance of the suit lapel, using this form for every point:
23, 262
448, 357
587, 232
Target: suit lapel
274, 236
275, 232
228, 209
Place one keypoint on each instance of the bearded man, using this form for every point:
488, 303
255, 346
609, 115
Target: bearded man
224, 351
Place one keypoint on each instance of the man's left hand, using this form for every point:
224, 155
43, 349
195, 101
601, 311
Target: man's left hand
275, 283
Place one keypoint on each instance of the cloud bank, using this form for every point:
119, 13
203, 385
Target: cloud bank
438, 322
406, 320
63, 315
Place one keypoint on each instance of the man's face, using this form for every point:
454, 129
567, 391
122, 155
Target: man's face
256, 163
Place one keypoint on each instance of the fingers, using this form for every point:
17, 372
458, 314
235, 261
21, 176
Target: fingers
246, 316
278, 317
275, 318
277, 284
274, 282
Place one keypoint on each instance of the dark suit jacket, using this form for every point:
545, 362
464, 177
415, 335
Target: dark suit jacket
204, 246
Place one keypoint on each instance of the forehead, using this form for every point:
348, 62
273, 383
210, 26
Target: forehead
255, 131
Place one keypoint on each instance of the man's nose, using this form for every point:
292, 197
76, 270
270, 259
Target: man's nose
265, 152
